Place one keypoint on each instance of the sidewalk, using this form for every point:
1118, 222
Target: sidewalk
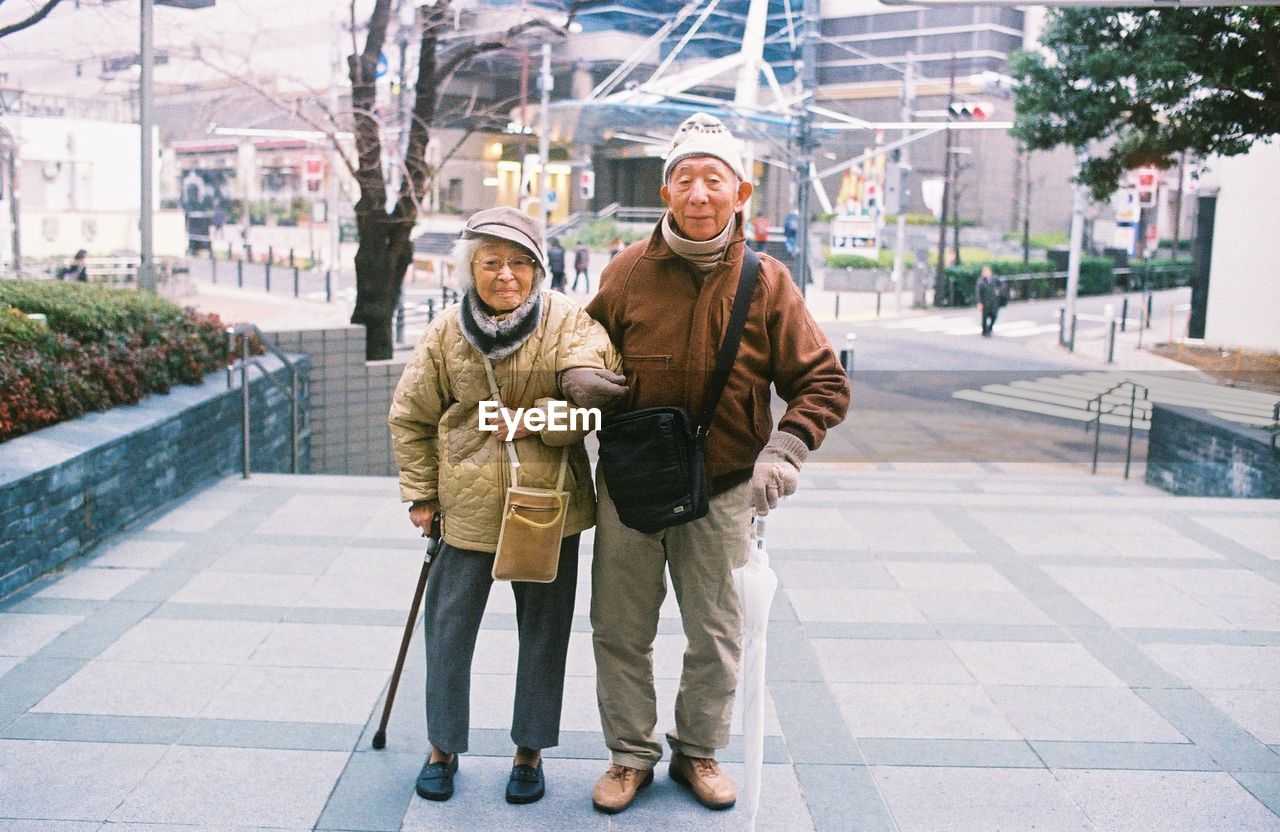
968, 647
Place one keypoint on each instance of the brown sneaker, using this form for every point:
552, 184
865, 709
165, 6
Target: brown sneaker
618, 786
702, 775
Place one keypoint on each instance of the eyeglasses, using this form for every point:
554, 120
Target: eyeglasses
520, 264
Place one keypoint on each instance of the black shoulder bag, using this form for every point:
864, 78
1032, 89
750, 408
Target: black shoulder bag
652, 459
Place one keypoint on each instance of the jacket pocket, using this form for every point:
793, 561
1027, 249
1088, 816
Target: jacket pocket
761, 417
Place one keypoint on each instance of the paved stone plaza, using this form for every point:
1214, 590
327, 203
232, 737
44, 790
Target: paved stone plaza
955, 648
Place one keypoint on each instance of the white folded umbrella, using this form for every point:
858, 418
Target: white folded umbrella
756, 584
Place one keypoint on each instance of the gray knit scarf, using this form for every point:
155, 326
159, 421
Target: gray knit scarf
499, 334
704, 255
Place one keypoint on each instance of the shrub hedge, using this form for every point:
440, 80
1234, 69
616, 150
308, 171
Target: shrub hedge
964, 278
857, 261
102, 347
1163, 273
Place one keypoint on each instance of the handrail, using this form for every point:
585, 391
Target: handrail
244, 331
1275, 428
1097, 420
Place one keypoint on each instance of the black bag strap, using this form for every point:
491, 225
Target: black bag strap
732, 338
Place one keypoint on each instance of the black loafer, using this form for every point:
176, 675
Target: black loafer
526, 784
435, 781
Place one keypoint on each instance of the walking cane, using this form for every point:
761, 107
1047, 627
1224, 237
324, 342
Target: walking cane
433, 543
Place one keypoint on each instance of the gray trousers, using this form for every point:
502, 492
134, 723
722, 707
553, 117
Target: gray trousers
455, 599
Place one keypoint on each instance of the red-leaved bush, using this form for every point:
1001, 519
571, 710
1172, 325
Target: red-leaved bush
101, 347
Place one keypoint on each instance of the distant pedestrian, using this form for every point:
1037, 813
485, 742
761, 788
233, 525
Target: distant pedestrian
581, 265
76, 269
760, 231
791, 233
615, 247
990, 298
555, 262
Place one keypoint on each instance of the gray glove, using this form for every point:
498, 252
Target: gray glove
593, 387
777, 470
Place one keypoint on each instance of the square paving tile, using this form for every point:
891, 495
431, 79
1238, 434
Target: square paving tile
176, 640
814, 528
888, 661
1034, 533
881, 606
298, 694
329, 645
978, 800
1132, 534
1113, 580
137, 689
810, 574
1178, 612
368, 592
281, 560
248, 588
977, 607
1210, 666
952, 577
36, 782
1024, 663
189, 520
1232, 583
1082, 714
921, 712
403, 564
23, 634
1261, 534
1140, 801
1256, 711
91, 583
237, 787
138, 554
903, 530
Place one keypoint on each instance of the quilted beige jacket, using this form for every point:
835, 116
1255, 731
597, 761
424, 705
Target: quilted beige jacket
441, 451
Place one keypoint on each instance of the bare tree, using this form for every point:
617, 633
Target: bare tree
30, 20
385, 249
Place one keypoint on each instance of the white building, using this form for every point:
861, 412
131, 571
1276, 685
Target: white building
1243, 308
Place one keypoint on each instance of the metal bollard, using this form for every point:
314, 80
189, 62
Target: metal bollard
846, 354
1062, 326
291, 264
837, 306
431, 309
240, 273
1149, 297
400, 322
267, 277
213, 264
295, 281
1124, 313
877, 303
328, 286
1111, 343
1071, 345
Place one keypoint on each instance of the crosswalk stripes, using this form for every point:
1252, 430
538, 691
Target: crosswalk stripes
955, 325
1069, 396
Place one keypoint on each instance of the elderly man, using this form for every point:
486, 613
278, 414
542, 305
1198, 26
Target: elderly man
665, 303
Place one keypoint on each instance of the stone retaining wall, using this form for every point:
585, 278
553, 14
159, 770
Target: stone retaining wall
65, 488
1195, 453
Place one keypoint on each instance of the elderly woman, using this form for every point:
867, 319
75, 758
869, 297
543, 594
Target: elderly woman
542, 347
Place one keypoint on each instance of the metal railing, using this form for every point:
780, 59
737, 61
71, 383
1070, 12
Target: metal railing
244, 332
1096, 403
1275, 428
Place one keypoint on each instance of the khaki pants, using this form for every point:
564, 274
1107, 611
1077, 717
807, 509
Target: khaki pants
627, 587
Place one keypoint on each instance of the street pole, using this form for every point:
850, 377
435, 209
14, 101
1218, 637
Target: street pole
1026, 205
904, 171
1077, 239
331, 192
10, 172
1177, 205
940, 288
146, 94
522, 199
545, 80
804, 142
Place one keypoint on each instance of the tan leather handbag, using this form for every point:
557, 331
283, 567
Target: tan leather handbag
532, 520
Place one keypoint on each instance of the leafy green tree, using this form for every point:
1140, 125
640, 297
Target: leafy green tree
1148, 84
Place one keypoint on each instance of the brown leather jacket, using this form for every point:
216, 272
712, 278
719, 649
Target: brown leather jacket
668, 333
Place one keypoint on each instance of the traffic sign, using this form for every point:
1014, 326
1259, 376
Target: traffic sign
971, 110
1147, 181
587, 184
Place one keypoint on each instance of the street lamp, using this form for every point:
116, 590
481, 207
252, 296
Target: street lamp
146, 103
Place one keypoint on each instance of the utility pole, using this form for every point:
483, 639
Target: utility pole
331, 191
904, 171
941, 293
10, 172
146, 96
1077, 241
804, 141
545, 80
521, 197
1177, 205
1026, 205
